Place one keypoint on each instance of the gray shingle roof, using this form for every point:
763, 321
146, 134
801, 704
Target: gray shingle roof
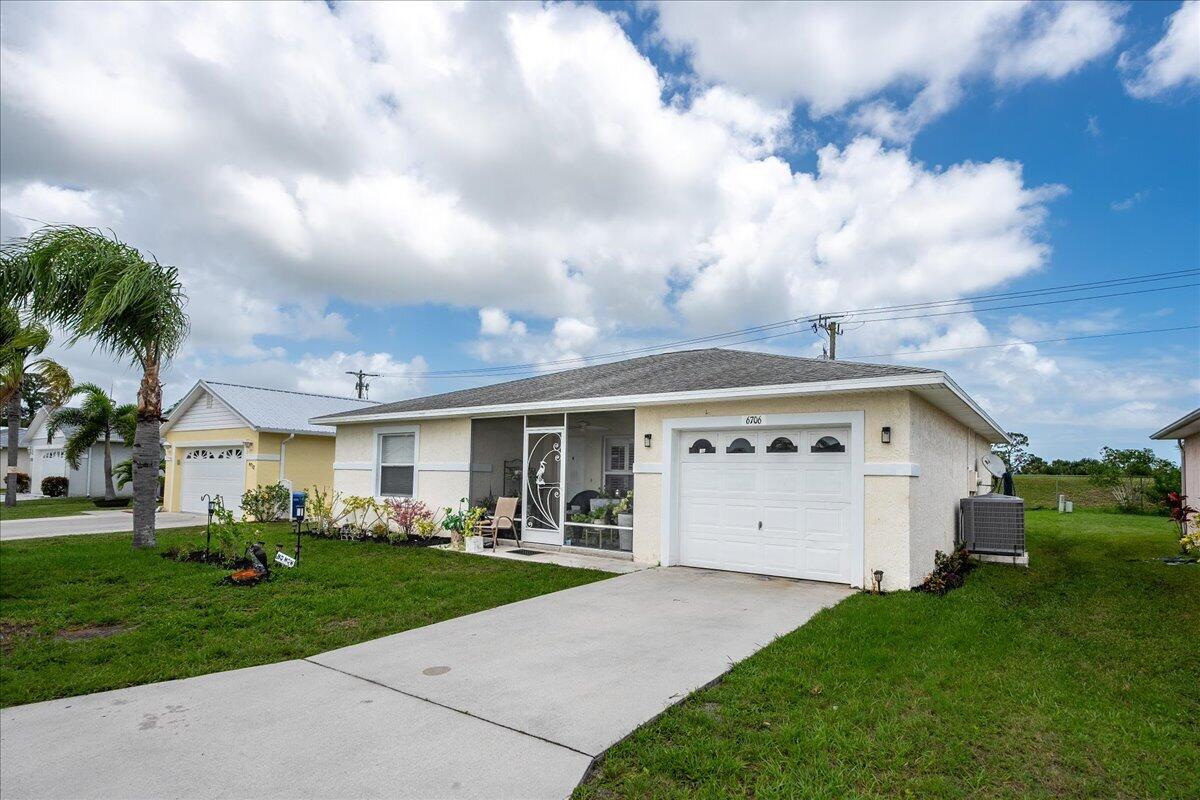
281, 410
683, 371
21, 433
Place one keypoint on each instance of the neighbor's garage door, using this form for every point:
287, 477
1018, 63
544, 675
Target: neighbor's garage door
213, 471
775, 502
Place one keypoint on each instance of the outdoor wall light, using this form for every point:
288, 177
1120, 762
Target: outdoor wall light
878, 581
885, 435
646, 440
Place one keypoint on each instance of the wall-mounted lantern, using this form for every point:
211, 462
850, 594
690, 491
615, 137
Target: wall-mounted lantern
885, 435
646, 440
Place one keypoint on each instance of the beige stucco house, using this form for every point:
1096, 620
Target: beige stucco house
223, 438
1186, 431
805, 468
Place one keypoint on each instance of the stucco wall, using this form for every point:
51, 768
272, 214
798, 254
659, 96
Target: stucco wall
1191, 466
443, 459
947, 452
177, 440
308, 461
22, 461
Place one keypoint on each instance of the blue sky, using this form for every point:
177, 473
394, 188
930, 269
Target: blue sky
427, 189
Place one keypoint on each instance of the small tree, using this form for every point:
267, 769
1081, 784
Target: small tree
1015, 455
96, 419
1123, 473
21, 362
102, 289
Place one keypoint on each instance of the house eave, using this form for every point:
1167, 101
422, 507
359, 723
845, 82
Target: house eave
1185, 426
947, 393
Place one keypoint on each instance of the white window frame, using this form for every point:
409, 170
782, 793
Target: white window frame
377, 456
608, 442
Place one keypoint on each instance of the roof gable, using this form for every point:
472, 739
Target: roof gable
261, 408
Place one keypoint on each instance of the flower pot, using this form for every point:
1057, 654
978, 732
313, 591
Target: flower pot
625, 520
474, 544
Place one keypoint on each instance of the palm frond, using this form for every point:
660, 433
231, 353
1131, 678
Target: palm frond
81, 440
64, 418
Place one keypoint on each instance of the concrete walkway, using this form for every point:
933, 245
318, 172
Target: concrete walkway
514, 702
89, 522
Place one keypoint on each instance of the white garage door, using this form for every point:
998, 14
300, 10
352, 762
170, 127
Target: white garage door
213, 471
775, 502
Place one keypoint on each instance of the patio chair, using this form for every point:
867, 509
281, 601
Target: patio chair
502, 520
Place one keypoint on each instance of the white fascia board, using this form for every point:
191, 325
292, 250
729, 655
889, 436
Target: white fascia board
659, 398
1181, 428
1000, 433
329, 434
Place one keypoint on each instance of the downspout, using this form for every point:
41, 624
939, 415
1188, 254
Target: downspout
1182, 467
283, 457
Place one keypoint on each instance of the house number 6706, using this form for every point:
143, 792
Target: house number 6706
754, 419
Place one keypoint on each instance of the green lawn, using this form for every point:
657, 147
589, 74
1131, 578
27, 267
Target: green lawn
174, 620
1041, 491
1074, 678
47, 507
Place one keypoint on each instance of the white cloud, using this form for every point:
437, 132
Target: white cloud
1129, 202
1093, 127
524, 160
1173, 62
839, 56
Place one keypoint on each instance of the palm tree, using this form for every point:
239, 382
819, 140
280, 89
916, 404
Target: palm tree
100, 288
98, 417
21, 344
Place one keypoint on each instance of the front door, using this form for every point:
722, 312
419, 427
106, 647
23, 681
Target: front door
542, 492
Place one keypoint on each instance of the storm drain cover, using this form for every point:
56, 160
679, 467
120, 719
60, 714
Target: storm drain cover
521, 551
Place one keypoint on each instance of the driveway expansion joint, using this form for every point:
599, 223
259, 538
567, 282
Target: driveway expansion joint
452, 708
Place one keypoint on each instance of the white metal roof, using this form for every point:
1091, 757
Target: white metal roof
265, 409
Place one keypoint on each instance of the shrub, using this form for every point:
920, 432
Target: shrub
365, 517
22, 481
266, 503
55, 486
324, 511
406, 512
949, 572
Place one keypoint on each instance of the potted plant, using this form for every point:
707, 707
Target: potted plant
624, 511
464, 527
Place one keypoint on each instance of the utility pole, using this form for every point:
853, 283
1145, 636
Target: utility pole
831, 328
361, 386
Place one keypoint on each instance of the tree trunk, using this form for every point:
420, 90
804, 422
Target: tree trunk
14, 428
110, 493
146, 450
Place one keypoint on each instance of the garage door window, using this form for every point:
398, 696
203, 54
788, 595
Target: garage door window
782, 444
828, 444
740, 445
397, 454
702, 446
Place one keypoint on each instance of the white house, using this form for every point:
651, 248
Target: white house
22, 452
805, 468
48, 457
1186, 432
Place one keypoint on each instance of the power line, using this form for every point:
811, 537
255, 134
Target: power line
540, 366
974, 347
535, 368
361, 386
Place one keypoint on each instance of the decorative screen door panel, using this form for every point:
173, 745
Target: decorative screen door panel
542, 505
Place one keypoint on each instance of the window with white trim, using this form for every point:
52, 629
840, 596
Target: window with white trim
618, 464
397, 464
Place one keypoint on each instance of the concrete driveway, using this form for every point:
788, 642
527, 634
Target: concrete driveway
514, 702
89, 522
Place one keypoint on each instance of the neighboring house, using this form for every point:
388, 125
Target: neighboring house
805, 468
47, 457
22, 452
1186, 431
223, 438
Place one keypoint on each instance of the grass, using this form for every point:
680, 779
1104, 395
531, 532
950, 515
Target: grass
87, 613
1041, 491
1074, 678
47, 507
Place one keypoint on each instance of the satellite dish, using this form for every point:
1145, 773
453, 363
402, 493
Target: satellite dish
994, 464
